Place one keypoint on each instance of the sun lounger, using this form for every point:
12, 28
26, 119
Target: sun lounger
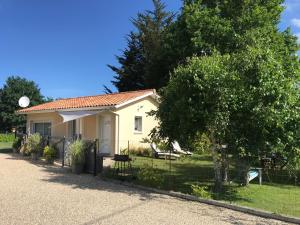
158, 153
179, 150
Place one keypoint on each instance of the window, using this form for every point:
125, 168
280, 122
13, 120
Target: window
43, 129
138, 124
72, 128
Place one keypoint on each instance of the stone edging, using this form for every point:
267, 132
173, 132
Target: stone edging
255, 212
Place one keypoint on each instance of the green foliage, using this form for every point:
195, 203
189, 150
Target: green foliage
34, 143
49, 152
13, 89
77, 152
150, 176
141, 151
17, 143
24, 149
7, 137
143, 63
201, 191
200, 144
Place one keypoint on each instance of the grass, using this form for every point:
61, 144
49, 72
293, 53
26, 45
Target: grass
179, 175
5, 147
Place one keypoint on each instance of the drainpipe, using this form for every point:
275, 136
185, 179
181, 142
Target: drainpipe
118, 127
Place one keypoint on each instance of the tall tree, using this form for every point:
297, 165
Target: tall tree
13, 89
143, 63
241, 86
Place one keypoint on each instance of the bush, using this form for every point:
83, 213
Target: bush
201, 144
200, 191
34, 143
17, 143
49, 152
150, 176
24, 149
140, 151
77, 152
7, 137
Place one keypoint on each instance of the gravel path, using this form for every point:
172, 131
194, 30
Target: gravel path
34, 193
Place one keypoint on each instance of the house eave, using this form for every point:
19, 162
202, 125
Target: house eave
68, 110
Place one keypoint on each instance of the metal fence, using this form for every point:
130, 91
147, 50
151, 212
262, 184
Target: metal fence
279, 191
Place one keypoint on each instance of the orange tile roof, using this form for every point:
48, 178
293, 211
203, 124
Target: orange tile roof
89, 101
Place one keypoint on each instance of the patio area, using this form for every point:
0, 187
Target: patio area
35, 193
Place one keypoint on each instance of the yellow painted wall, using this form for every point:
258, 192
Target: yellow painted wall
58, 128
89, 127
126, 123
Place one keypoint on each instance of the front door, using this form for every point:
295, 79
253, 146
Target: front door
105, 139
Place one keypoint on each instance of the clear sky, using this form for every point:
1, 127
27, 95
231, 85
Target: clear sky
65, 45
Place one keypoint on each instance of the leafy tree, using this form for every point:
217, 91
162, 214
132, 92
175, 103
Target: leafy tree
241, 86
13, 89
143, 63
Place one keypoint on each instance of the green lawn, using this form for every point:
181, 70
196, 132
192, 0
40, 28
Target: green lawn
5, 147
281, 198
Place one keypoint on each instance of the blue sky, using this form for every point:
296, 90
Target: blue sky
65, 45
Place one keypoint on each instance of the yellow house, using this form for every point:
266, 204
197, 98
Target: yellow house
114, 119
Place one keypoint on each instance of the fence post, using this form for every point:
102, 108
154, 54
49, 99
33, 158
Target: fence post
95, 157
63, 153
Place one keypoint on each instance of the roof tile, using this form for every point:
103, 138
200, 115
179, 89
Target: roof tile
88, 101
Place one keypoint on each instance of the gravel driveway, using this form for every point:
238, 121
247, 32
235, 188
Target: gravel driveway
34, 193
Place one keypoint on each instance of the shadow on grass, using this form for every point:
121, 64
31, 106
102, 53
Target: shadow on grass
5, 150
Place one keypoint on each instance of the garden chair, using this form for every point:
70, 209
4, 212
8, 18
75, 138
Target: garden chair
158, 153
178, 149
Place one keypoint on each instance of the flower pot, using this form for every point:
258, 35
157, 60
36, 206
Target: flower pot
77, 168
34, 156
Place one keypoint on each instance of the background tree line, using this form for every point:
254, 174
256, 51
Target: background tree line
14, 88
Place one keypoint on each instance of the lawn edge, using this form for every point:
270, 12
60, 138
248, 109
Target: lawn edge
243, 209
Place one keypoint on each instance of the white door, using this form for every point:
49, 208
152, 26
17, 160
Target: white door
105, 139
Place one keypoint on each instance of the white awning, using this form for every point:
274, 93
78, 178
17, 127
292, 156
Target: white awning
68, 116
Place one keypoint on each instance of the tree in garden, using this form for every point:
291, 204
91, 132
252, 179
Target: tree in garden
13, 89
240, 87
143, 64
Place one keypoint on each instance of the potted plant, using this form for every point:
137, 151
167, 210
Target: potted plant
34, 145
77, 156
49, 154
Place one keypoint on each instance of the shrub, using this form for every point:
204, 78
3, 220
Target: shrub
7, 137
34, 143
17, 143
200, 191
201, 144
77, 152
24, 149
49, 152
150, 176
141, 151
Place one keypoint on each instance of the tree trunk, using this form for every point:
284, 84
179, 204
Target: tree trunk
217, 166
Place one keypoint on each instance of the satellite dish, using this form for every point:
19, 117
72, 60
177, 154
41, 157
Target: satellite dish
24, 101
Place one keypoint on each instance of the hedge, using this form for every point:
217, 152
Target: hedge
7, 137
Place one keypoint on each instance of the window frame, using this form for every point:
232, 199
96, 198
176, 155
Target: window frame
41, 122
138, 131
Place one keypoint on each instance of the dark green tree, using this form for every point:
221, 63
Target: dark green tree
143, 63
240, 87
14, 88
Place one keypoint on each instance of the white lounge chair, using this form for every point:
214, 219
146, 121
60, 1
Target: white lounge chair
158, 153
179, 150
